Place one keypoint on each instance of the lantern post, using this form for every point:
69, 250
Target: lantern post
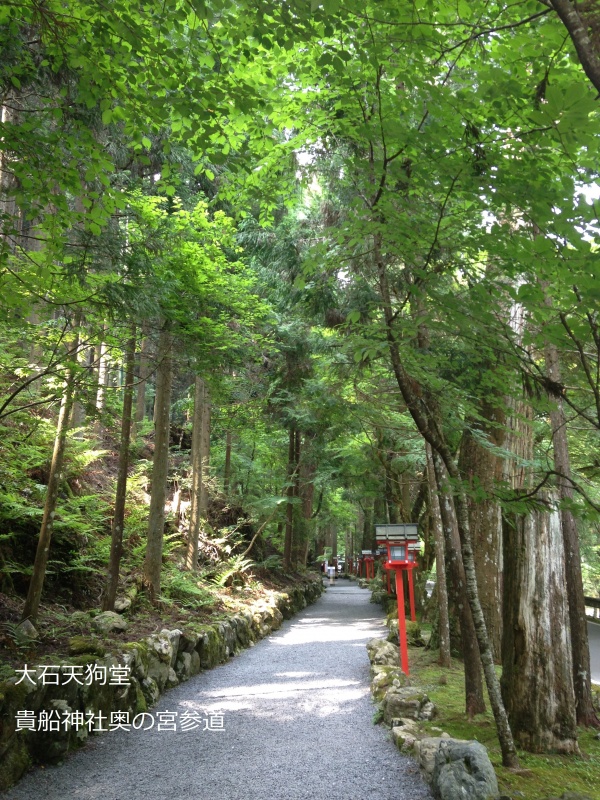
402, 544
369, 561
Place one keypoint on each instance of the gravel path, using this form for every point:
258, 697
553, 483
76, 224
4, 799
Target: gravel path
297, 724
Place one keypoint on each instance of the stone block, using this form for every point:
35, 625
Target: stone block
463, 770
108, 621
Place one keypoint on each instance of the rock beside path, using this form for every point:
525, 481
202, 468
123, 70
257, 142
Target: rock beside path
109, 621
463, 770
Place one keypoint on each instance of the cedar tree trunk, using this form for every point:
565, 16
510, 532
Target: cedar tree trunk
160, 465
116, 544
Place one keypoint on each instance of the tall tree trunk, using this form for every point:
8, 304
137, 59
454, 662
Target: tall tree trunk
482, 469
78, 410
191, 560
227, 471
406, 505
36, 584
580, 649
9, 214
289, 514
205, 445
305, 471
116, 544
103, 377
299, 531
390, 496
160, 465
440, 563
333, 538
429, 427
537, 678
475, 703
140, 397
374, 515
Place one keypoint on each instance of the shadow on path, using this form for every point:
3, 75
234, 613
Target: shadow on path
296, 719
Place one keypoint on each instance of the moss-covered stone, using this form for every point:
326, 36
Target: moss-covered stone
140, 705
85, 644
209, 647
15, 761
403, 702
385, 677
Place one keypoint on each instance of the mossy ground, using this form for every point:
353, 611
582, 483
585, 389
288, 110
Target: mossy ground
550, 775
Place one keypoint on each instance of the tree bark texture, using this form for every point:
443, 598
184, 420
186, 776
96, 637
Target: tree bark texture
36, 584
116, 544
9, 214
482, 469
160, 465
140, 396
580, 649
577, 26
191, 560
205, 444
305, 472
289, 512
474, 700
440, 563
373, 515
227, 471
537, 678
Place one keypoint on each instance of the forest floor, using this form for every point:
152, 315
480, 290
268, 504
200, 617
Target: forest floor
60, 622
76, 575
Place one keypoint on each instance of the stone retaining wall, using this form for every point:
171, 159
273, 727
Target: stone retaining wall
157, 663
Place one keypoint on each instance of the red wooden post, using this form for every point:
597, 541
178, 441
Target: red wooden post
401, 622
411, 594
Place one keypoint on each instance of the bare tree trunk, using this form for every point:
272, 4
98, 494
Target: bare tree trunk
482, 468
586, 714
36, 583
301, 522
9, 213
78, 411
475, 703
537, 678
160, 466
373, 515
205, 444
103, 377
307, 493
191, 561
227, 471
289, 515
140, 397
440, 563
116, 544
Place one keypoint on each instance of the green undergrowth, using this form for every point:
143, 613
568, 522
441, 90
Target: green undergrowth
547, 775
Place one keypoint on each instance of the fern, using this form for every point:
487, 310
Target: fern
232, 569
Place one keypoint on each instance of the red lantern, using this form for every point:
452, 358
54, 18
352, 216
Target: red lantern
402, 544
